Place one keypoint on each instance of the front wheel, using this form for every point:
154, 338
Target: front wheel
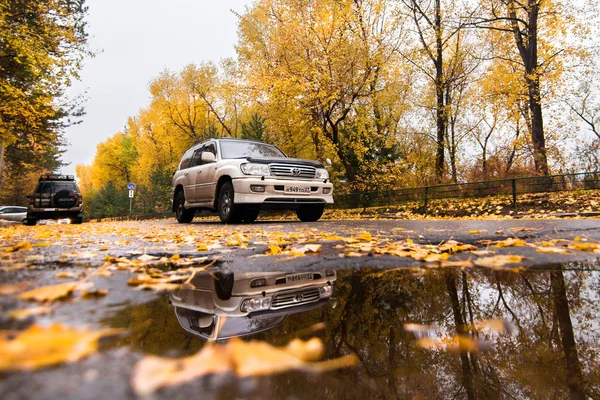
250, 215
76, 220
310, 213
183, 216
228, 211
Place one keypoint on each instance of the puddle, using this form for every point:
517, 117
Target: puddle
476, 333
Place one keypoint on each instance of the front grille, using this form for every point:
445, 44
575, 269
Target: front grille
292, 171
295, 299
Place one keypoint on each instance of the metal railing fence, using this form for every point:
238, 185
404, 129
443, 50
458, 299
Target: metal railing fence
510, 186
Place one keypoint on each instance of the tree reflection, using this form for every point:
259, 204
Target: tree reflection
549, 350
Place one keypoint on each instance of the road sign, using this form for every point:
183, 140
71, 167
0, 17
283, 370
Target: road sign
131, 186
131, 194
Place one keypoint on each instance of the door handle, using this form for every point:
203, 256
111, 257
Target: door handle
186, 174
198, 173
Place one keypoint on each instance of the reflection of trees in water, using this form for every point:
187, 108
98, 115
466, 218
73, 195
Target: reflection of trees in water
552, 353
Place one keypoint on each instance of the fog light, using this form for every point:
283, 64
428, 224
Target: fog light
258, 282
326, 190
257, 188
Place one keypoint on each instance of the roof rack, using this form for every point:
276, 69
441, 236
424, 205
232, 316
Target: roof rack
53, 177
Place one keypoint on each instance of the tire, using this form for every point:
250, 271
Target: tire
228, 211
310, 213
65, 199
76, 220
250, 215
182, 215
30, 221
223, 285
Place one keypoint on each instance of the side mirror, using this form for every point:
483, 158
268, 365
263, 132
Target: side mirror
327, 163
207, 157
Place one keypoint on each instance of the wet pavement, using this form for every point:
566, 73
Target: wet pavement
418, 331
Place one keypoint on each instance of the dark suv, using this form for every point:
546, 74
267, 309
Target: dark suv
55, 197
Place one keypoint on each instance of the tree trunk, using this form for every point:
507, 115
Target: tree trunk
561, 306
537, 124
441, 115
1, 161
467, 372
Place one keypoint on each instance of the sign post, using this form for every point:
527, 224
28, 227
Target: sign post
131, 188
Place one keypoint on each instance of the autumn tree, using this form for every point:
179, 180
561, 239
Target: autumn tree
328, 65
537, 30
42, 46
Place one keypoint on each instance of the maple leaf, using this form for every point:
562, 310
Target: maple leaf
39, 347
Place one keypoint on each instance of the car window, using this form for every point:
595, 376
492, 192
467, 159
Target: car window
239, 149
187, 158
196, 157
44, 187
58, 186
211, 148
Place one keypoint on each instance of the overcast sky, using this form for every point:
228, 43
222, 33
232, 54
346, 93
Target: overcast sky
135, 40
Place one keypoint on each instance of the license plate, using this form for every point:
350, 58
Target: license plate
50, 209
306, 276
297, 190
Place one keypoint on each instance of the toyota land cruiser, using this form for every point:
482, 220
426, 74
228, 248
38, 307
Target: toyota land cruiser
238, 178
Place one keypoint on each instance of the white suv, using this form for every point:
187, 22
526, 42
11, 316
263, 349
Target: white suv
238, 178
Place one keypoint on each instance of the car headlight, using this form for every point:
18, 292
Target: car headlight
325, 291
321, 173
252, 305
255, 169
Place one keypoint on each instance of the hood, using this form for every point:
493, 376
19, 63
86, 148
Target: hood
285, 160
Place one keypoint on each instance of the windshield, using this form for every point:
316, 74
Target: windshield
238, 149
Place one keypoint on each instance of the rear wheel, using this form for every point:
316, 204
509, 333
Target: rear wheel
30, 221
228, 211
76, 220
182, 215
310, 213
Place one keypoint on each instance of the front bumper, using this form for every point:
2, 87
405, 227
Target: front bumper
275, 195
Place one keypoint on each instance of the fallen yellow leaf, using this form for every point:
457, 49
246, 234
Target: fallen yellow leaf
19, 247
94, 293
25, 313
365, 237
14, 288
244, 359
39, 347
498, 261
49, 293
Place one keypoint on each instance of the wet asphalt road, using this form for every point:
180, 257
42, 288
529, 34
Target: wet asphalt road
72, 249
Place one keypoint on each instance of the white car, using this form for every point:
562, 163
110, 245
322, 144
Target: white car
238, 178
219, 306
13, 213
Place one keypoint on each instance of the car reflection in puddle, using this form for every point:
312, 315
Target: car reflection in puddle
221, 305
